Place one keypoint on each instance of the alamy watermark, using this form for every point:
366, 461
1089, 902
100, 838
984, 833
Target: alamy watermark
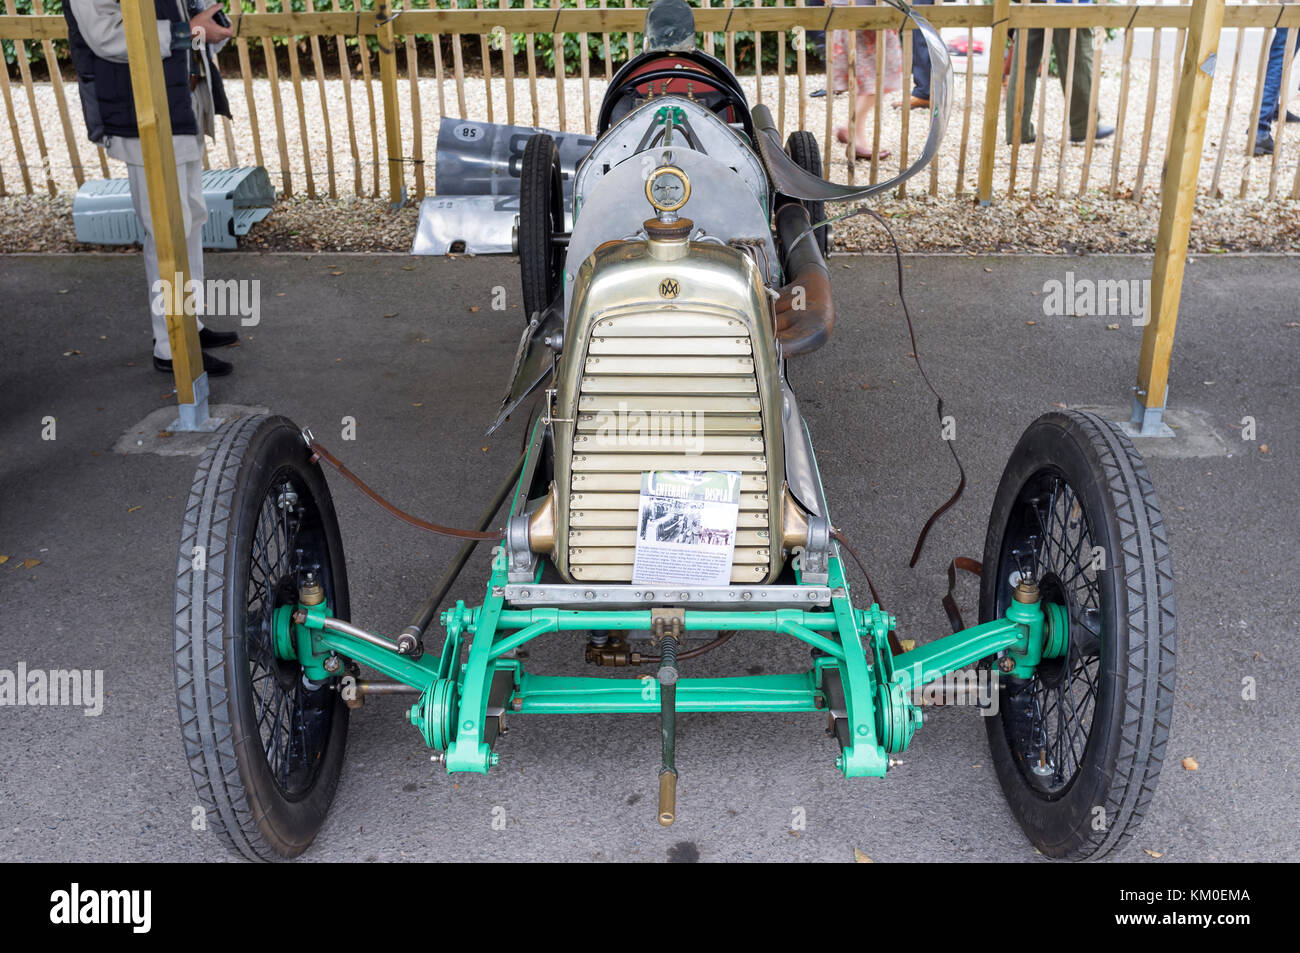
624, 427
66, 687
1098, 298
215, 297
77, 905
972, 688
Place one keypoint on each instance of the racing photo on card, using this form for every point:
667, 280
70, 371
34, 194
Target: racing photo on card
686, 526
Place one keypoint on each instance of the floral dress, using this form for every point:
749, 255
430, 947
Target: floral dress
865, 43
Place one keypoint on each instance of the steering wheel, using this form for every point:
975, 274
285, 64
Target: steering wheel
732, 97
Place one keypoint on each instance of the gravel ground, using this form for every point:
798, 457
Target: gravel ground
1073, 220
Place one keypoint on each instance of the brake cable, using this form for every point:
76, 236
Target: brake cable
320, 453
916, 356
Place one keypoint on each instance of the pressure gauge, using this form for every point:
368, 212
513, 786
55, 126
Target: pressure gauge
667, 188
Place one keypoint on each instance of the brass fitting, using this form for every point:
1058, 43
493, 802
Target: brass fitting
669, 241
794, 523
667, 621
667, 797
541, 526
310, 592
613, 653
1026, 591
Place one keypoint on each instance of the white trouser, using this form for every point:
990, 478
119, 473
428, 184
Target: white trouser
194, 210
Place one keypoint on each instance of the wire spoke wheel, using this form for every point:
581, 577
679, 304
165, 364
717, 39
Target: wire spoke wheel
1078, 747
264, 742
292, 719
1050, 540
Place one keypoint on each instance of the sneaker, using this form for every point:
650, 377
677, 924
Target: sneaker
1264, 145
214, 366
1103, 132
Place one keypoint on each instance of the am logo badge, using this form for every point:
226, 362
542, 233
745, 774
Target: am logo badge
668, 288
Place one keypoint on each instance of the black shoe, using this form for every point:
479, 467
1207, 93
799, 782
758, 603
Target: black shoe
1102, 132
209, 337
215, 366
1027, 142
1292, 117
1264, 145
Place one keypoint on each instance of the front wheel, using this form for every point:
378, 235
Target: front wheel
541, 219
264, 743
1078, 748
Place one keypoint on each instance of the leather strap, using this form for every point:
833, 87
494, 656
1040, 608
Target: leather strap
966, 564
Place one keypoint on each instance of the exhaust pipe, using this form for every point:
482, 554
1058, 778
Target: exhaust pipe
805, 313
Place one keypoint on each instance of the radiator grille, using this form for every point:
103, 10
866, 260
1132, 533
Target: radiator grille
667, 369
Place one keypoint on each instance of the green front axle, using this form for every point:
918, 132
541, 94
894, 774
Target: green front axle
854, 674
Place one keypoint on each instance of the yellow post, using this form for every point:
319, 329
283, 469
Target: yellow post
1177, 200
388, 82
155, 127
992, 100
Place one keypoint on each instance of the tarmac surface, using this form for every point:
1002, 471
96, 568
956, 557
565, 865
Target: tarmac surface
412, 349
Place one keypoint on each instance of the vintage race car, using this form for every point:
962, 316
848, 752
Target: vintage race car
668, 490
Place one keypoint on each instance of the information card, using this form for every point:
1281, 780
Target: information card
686, 527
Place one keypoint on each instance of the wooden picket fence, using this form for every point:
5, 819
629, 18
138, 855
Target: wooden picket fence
306, 128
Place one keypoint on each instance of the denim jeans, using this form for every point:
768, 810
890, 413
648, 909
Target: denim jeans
1268, 105
921, 61
816, 38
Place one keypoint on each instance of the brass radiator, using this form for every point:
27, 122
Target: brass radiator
664, 391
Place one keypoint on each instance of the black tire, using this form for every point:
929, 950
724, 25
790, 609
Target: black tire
266, 793
802, 148
541, 218
1078, 748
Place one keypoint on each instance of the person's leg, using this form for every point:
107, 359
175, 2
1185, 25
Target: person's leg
889, 45
190, 179
1268, 103
140, 202
1028, 43
193, 215
1293, 49
920, 62
1082, 87
816, 39
866, 52
865, 125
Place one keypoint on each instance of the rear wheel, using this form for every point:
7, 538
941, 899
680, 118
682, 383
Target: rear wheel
802, 148
1078, 748
541, 219
265, 744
